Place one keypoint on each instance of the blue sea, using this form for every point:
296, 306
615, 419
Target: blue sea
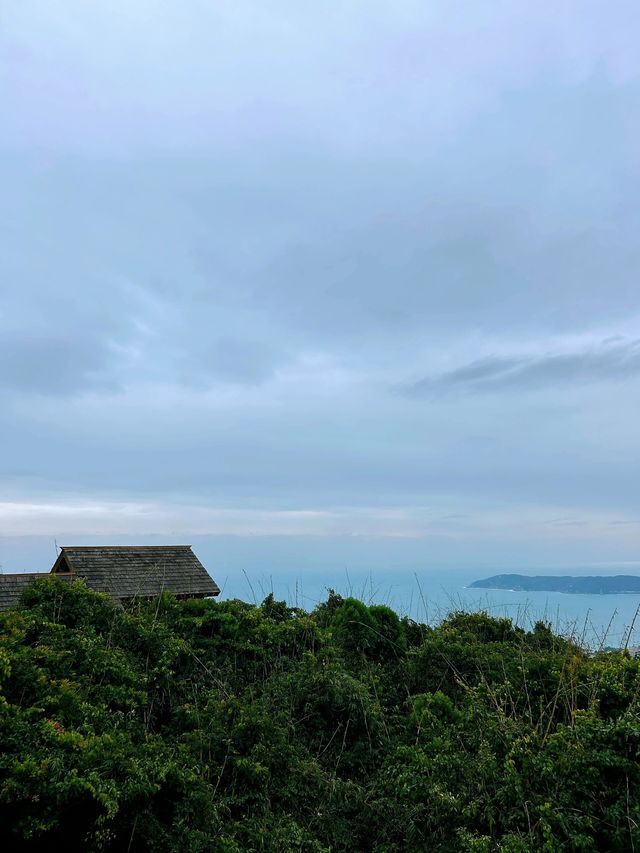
428, 595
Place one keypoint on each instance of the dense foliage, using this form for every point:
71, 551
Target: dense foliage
225, 726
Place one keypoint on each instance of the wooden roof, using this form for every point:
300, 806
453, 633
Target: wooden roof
126, 571
12, 585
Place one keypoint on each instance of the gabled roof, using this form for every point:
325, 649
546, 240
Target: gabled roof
126, 571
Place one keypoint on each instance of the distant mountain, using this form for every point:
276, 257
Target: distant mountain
563, 583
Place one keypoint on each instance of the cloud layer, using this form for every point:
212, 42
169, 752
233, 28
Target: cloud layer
338, 264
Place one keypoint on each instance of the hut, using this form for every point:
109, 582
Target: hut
123, 571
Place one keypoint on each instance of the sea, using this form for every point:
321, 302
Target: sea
429, 595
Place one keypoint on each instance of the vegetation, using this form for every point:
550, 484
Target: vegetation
225, 726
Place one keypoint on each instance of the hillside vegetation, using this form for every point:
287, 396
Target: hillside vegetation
225, 726
585, 585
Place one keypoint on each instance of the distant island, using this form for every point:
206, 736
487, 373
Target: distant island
593, 585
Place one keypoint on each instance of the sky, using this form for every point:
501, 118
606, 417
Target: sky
350, 283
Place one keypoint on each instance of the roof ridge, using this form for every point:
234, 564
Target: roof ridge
119, 547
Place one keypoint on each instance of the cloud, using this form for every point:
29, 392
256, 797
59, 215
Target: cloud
55, 365
226, 232
608, 362
425, 523
239, 361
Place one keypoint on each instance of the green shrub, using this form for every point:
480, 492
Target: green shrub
224, 726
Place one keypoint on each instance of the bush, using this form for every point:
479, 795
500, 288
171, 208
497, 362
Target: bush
224, 726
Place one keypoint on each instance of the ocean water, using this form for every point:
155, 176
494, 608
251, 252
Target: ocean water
428, 595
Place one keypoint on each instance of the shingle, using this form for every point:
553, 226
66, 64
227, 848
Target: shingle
123, 572
131, 571
11, 586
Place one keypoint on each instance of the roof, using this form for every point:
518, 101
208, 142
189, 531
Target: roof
11, 586
127, 571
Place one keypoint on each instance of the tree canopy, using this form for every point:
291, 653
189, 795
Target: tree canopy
225, 726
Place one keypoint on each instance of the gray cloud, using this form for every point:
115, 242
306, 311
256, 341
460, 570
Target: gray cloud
55, 365
226, 232
241, 361
607, 362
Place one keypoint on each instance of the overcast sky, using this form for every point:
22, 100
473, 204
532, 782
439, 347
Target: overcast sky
327, 270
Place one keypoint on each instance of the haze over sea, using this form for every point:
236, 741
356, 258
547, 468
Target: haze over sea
300, 570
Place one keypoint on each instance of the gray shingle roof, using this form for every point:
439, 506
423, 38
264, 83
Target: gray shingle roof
12, 585
131, 571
